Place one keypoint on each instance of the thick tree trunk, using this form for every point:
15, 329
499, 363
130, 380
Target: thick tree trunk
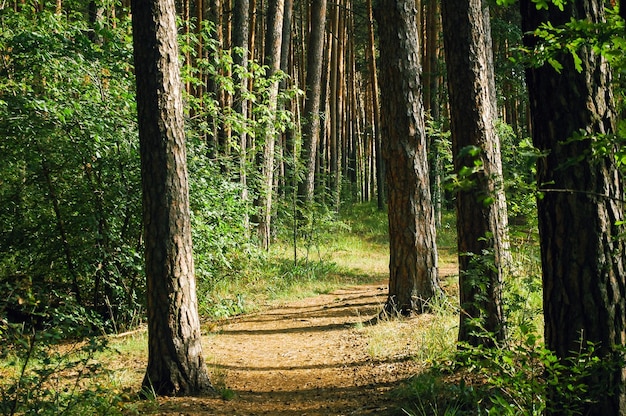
581, 204
413, 280
252, 14
314, 76
175, 363
480, 202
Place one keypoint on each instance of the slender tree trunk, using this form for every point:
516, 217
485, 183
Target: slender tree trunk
252, 14
413, 280
331, 102
60, 224
430, 35
215, 16
241, 35
226, 97
373, 72
198, 90
324, 148
480, 202
431, 101
286, 139
273, 47
353, 117
285, 46
186, 23
581, 205
175, 363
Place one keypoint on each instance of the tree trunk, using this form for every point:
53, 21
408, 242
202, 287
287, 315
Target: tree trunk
272, 60
373, 72
175, 363
225, 97
314, 76
60, 223
336, 104
431, 102
581, 204
241, 35
480, 202
413, 280
215, 16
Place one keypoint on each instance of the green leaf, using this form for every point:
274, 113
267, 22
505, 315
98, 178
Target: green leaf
577, 61
471, 150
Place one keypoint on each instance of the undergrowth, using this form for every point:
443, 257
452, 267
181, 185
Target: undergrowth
518, 377
41, 375
329, 250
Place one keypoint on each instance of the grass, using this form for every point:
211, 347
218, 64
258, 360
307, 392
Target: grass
338, 251
426, 338
477, 381
123, 356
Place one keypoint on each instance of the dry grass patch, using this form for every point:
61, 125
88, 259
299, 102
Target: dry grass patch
426, 337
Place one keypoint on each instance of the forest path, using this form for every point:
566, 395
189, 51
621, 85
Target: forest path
306, 357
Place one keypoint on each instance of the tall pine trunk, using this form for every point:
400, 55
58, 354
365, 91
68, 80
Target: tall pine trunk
580, 205
413, 280
273, 42
480, 203
314, 76
373, 72
241, 35
175, 363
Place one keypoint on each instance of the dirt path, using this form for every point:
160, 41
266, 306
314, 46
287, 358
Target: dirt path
307, 357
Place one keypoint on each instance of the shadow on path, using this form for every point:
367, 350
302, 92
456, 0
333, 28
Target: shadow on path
308, 357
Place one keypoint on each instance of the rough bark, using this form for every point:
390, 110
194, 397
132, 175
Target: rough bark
580, 204
413, 280
314, 75
175, 363
480, 203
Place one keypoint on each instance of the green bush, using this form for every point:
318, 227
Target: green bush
69, 165
44, 375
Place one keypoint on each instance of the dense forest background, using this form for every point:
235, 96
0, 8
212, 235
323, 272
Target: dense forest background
72, 217
283, 130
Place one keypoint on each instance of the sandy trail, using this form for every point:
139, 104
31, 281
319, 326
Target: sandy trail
306, 357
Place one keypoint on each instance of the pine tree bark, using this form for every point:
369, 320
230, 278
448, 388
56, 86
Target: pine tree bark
480, 201
413, 280
175, 363
580, 205
314, 76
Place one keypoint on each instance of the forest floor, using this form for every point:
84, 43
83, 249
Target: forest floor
313, 356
